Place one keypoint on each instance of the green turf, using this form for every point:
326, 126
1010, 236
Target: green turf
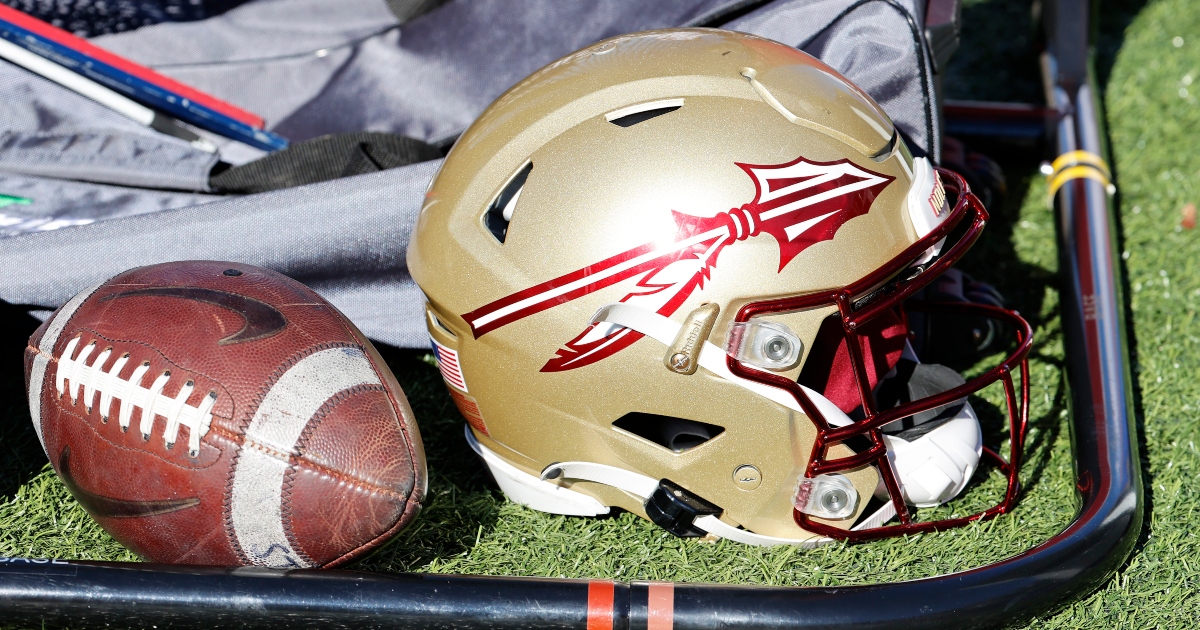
467, 527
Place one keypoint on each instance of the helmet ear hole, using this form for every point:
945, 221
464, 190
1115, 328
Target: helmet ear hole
500, 211
676, 434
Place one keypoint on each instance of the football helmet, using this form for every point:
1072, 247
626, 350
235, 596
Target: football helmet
666, 273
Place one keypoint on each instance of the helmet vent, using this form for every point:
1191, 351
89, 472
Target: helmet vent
676, 434
634, 114
436, 321
500, 211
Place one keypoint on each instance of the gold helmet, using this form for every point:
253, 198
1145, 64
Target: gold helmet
664, 274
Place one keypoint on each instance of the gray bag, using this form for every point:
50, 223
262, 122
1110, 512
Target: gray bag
106, 194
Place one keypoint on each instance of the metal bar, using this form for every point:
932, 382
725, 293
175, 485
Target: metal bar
1011, 591
998, 120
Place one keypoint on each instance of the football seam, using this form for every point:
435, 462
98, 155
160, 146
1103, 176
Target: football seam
227, 516
297, 460
38, 351
83, 419
401, 419
243, 425
297, 463
285, 512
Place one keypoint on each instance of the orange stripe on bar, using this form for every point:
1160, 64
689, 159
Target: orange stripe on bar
660, 608
600, 605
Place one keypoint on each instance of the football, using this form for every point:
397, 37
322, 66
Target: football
222, 414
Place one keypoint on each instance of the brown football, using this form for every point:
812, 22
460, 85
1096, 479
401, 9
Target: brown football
222, 414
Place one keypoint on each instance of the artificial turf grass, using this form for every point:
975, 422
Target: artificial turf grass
1152, 126
44, 521
466, 527
494, 537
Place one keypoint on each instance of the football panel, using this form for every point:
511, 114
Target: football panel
161, 512
46, 337
357, 436
254, 507
332, 521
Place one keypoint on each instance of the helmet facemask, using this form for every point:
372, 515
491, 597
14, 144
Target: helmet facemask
569, 249
857, 306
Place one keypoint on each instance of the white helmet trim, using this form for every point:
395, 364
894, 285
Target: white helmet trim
526, 489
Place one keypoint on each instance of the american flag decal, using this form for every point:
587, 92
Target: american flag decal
448, 364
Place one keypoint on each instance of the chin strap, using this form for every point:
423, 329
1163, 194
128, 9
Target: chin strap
933, 468
644, 488
712, 358
935, 465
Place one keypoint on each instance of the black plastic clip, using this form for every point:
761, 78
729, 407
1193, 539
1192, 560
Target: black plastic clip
675, 509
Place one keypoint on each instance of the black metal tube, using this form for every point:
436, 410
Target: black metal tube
1069, 564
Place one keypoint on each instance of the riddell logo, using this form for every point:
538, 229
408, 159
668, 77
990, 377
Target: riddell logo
799, 203
937, 199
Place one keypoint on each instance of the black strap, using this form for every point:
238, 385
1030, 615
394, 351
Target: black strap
406, 10
322, 159
90, 18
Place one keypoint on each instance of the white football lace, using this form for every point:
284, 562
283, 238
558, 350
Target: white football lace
129, 393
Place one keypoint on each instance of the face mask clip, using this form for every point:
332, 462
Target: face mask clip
765, 345
825, 496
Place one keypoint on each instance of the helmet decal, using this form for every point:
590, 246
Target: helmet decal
800, 203
937, 198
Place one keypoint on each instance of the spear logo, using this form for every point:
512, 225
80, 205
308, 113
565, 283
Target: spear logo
799, 203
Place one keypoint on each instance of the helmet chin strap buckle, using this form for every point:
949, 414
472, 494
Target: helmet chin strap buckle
674, 509
686, 512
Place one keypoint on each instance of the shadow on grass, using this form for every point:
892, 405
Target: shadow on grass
968, 78
1115, 17
461, 504
998, 61
998, 57
1025, 286
21, 456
